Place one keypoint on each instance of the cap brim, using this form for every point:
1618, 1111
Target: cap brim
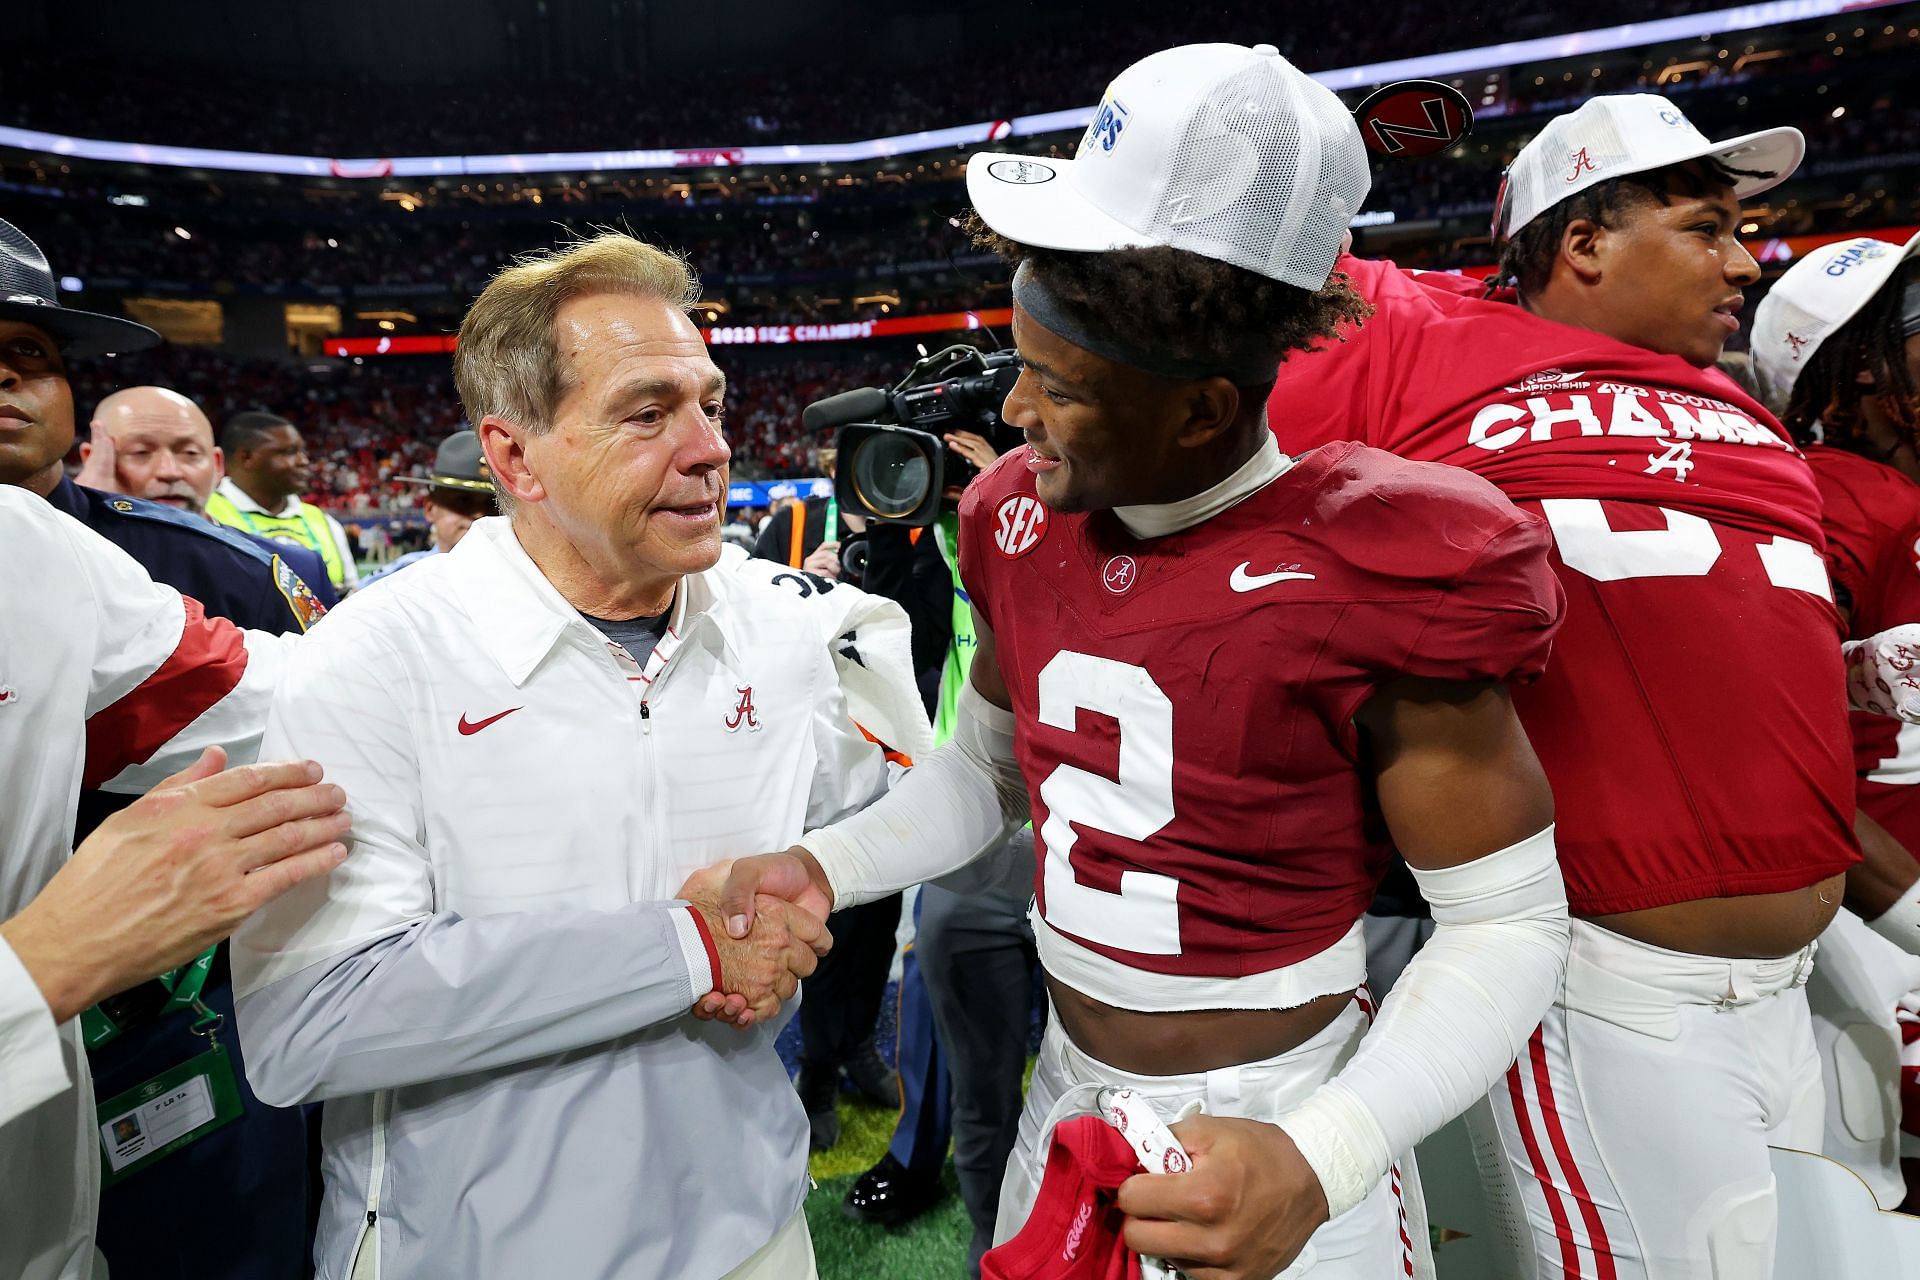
83, 333
1034, 202
449, 482
1911, 247
1776, 152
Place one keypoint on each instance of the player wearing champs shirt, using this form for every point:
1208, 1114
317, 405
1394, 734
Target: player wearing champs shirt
1225, 685
1836, 350
1693, 721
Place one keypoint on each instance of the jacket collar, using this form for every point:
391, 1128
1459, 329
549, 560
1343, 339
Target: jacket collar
518, 615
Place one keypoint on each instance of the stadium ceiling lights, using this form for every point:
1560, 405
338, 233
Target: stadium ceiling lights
1439, 66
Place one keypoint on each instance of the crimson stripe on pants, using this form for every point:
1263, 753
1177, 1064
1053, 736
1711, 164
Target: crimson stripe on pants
1562, 1228
1557, 1135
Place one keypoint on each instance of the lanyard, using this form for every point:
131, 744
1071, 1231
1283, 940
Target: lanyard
833, 516
183, 986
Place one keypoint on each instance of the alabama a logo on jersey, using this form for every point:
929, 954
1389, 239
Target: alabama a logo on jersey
1018, 525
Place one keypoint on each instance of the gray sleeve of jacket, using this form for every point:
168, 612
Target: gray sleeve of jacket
445, 996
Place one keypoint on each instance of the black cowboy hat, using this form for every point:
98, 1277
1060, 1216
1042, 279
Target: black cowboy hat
28, 293
458, 465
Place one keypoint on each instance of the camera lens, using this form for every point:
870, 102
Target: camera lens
891, 475
853, 559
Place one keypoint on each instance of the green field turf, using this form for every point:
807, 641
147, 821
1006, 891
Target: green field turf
931, 1247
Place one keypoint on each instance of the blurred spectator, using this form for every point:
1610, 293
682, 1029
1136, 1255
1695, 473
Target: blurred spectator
267, 471
156, 444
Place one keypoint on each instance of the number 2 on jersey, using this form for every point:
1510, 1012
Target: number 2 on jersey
1144, 917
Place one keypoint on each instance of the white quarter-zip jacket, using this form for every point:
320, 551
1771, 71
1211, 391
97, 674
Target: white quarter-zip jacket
492, 992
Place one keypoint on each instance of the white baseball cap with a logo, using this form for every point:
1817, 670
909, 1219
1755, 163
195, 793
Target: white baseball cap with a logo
1808, 304
1616, 135
1228, 152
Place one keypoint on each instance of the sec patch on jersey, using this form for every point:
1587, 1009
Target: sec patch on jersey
1018, 525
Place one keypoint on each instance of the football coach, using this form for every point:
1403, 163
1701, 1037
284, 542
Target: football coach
544, 736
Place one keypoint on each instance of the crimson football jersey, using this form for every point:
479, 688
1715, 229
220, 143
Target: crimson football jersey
1872, 519
1185, 703
1693, 722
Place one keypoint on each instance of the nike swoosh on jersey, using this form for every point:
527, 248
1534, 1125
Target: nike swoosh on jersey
467, 729
1241, 580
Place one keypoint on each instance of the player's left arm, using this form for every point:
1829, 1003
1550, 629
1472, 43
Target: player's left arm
1470, 810
1883, 888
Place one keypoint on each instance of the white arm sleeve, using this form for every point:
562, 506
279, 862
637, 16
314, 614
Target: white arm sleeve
1900, 923
948, 810
1458, 1017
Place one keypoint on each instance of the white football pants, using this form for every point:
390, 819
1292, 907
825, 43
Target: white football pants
1630, 1141
1384, 1237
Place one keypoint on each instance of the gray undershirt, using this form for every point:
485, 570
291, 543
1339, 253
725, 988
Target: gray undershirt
637, 636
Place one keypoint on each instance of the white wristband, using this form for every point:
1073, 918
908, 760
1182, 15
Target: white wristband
1900, 923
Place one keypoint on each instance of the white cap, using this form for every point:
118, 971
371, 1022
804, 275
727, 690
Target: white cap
1626, 133
1808, 304
1224, 151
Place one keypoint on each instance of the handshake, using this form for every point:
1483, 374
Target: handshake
767, 916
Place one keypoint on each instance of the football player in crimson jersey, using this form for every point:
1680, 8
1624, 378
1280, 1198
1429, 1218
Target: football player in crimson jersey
1225, 684
1836, 349
1693, 722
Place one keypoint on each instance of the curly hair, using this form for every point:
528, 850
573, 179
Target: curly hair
1528, 256
1829, 391
1192, 308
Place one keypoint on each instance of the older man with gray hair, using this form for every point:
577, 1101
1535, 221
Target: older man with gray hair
545, 735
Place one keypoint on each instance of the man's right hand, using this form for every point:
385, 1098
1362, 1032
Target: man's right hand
793, 876
749, 887
173, 873
762, 968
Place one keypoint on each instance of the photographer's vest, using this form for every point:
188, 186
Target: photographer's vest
306, 527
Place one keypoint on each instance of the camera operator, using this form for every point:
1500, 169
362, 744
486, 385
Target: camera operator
966, 984
806, 543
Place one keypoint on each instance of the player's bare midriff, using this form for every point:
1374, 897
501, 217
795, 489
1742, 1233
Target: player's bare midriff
1760, 926
1176, 1044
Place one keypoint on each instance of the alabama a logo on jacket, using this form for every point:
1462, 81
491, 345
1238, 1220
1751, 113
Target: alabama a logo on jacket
743, 716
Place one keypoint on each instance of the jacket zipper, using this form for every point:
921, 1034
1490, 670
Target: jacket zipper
376, 1177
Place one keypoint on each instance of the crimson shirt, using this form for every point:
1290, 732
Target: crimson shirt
1185, 703
1693, 723
1872, 519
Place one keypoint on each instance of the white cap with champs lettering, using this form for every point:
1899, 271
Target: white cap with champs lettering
1615, 135
1808, 304
1228, 152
